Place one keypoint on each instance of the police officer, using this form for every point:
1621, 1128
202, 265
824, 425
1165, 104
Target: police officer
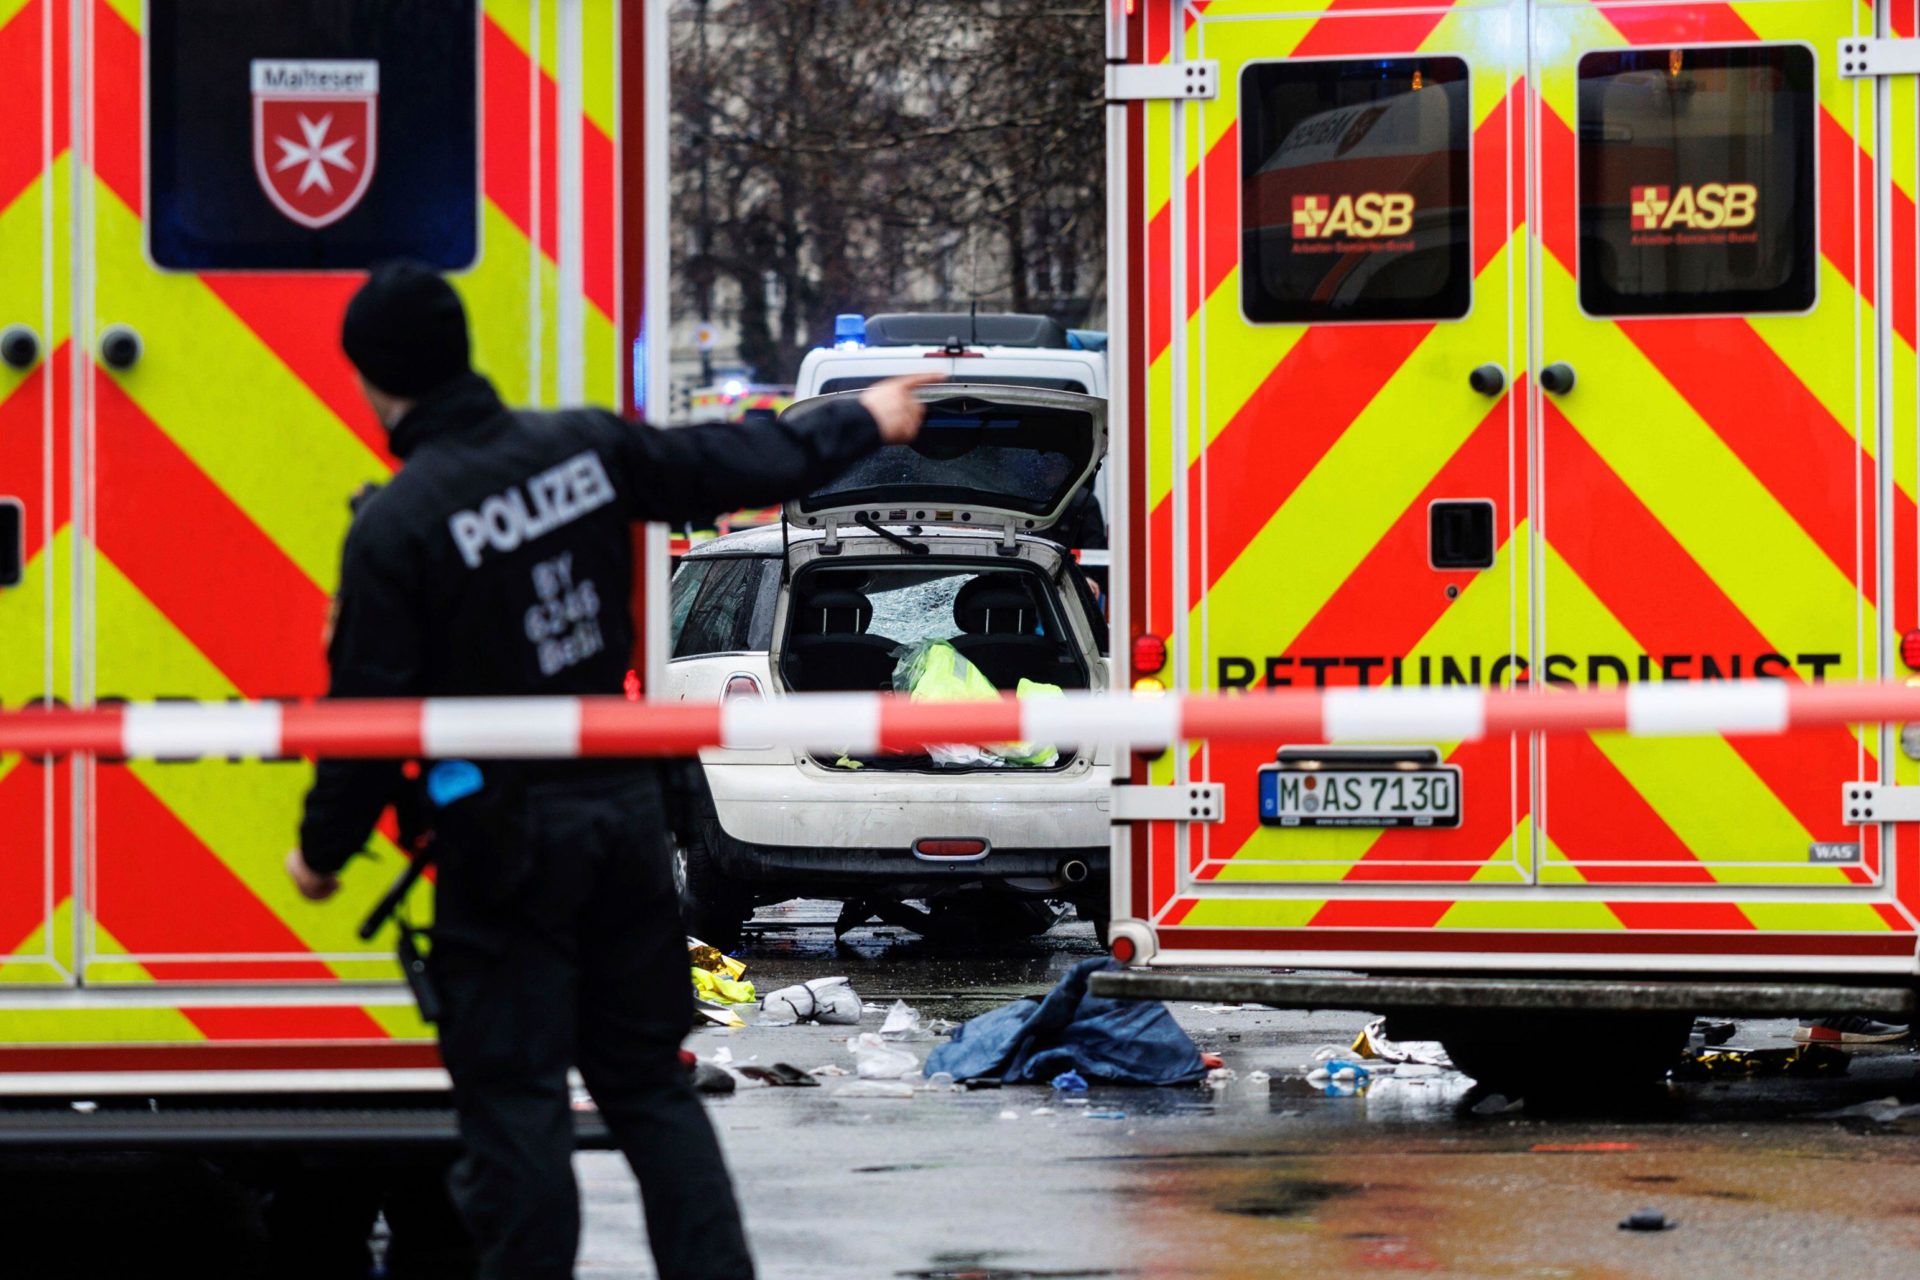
499, 561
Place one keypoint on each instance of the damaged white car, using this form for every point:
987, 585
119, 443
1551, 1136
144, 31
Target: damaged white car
926, 570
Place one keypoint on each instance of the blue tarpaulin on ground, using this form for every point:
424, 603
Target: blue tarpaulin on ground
1107, 1041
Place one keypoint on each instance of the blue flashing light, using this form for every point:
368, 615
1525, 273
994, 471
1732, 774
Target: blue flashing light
849, 332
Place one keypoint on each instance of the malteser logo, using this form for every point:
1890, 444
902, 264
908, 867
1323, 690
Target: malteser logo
1710, 206
1364, 217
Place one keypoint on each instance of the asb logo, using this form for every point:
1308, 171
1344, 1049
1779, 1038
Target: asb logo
1364, 217
1709, 206
313, 135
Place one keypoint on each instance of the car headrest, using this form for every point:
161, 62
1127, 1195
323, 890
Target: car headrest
990, 606
837, 613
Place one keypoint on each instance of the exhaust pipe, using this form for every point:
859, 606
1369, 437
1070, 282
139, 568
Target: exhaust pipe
1074, 871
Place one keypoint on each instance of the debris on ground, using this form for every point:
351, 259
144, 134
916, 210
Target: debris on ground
708, 1014
1710, 1032
716, 975
1106, 1115
829, 1001
779, 1074
831, 1069
1725, 1064
875, 1059
1111, 1041
1069, 1082
1339, 1072
1645, 1220
905, 1023
1221, 1077
1372, 1043
711, 1078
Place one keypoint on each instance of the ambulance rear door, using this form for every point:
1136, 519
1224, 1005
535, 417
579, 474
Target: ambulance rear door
37, 544
1330, 458
1709, 440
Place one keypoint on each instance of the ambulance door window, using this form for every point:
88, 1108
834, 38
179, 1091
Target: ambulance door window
1697, 180
312, 137
1354, 190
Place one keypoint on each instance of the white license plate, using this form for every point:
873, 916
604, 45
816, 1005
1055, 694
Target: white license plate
1425, 796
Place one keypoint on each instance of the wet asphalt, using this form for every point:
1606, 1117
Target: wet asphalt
1415, 1172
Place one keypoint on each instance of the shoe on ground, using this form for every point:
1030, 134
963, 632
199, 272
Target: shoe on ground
1851, 1029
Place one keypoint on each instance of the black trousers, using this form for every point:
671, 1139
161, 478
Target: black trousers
575, 956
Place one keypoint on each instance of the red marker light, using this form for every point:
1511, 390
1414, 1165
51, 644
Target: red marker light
1123, 949
950, 848
1910, 650
1149, 655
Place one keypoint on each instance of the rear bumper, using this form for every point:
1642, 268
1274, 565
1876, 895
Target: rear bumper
1036, 872
1436, 994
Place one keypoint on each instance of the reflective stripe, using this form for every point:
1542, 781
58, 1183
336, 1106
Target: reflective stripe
1658, 709
1423, 715
500, 727
848, 722
191, 730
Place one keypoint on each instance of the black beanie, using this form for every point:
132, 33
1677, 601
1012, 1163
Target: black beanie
405, 330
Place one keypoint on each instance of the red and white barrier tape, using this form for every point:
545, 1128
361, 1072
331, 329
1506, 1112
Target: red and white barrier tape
481, 728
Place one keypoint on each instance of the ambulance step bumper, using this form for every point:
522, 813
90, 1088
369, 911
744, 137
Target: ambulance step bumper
1426, 995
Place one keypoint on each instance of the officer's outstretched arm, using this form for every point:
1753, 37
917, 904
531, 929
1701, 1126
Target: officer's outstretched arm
693, 472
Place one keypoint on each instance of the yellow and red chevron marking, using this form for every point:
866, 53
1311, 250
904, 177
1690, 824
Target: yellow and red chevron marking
218, 487
1289, 404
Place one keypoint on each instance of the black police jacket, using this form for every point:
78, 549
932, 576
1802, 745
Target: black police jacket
499, 560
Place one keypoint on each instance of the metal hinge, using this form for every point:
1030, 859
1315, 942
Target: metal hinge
1195, 802
1175, 81
1863, 58
1865, 803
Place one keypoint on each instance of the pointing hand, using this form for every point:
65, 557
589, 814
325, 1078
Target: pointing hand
894, 406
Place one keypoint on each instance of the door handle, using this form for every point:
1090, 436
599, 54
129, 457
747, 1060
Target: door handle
1557, 378
120, 348
13, 542
1488, 379
19, 347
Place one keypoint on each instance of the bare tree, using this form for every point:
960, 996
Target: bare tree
852, 155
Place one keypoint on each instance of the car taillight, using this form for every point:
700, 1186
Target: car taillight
1910, 650
631, 685
740, 685
1123, 949
1149, 655
949, 848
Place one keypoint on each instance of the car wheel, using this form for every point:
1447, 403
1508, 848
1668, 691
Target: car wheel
712, 905
985, 916
1097, 912
1604, 1054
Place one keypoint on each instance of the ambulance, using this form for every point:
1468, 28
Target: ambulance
1517, 344
189, 194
